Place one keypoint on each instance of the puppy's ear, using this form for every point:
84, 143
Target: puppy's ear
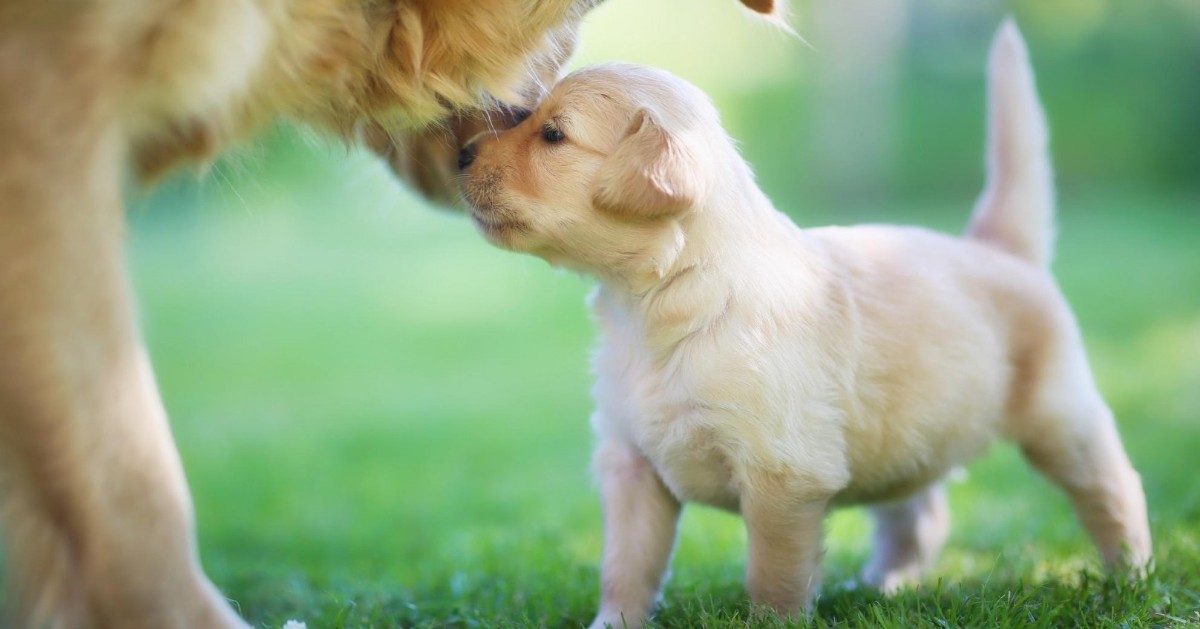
650, 174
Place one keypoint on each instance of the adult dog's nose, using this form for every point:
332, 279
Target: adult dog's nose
466, 156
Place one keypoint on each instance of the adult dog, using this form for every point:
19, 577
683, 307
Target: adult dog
96, 515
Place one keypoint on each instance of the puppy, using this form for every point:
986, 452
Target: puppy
94, 509
780, 372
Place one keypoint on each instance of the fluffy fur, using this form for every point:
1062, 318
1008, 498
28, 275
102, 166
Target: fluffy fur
94, 509
780, 372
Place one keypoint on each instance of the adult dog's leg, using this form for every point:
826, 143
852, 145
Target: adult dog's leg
95, 512
908, 537
640, 517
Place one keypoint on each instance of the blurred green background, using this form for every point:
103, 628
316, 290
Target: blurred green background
384, 420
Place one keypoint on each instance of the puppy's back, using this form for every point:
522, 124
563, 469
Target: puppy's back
947, 329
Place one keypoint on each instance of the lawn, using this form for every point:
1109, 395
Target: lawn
384, 420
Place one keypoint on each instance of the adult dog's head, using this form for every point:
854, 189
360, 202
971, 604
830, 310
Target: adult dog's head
602, 176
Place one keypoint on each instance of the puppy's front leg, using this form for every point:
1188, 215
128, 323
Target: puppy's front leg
784, 539
640, 518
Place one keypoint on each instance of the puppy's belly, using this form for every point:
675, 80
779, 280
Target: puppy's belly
896, 489
702, 480
691, 464
908, 462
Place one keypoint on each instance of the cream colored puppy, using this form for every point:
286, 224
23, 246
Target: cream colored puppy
758, 367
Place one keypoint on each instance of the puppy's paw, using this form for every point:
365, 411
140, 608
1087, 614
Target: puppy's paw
771, 614
615, 621
889, 580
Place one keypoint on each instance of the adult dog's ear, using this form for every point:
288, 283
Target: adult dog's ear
772, 8
650, 174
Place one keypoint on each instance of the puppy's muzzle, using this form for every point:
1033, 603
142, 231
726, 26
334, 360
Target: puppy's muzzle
500, 120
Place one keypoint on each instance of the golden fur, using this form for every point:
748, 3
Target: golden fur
780, 372
94, 509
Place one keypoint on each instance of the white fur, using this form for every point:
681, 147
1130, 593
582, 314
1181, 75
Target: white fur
758, 367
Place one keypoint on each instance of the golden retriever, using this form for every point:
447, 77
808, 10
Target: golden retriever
94, 508
751, 365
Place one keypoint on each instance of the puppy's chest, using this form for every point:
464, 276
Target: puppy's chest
656, 408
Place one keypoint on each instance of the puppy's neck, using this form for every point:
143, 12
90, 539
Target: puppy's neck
714, 234
688, 283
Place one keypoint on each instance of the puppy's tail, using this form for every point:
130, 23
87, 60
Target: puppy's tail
1016, 210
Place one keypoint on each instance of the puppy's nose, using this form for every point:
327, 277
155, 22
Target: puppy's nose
466, 155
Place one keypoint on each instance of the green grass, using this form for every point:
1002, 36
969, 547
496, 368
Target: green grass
384, 420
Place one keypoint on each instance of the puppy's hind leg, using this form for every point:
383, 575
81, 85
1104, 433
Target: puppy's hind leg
1070, 436
909, 535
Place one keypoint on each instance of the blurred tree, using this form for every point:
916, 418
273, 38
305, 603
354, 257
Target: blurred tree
853, 117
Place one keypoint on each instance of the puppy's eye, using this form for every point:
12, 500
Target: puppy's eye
553, 135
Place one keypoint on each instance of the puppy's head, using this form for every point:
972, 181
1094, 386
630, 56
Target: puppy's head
601, 173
